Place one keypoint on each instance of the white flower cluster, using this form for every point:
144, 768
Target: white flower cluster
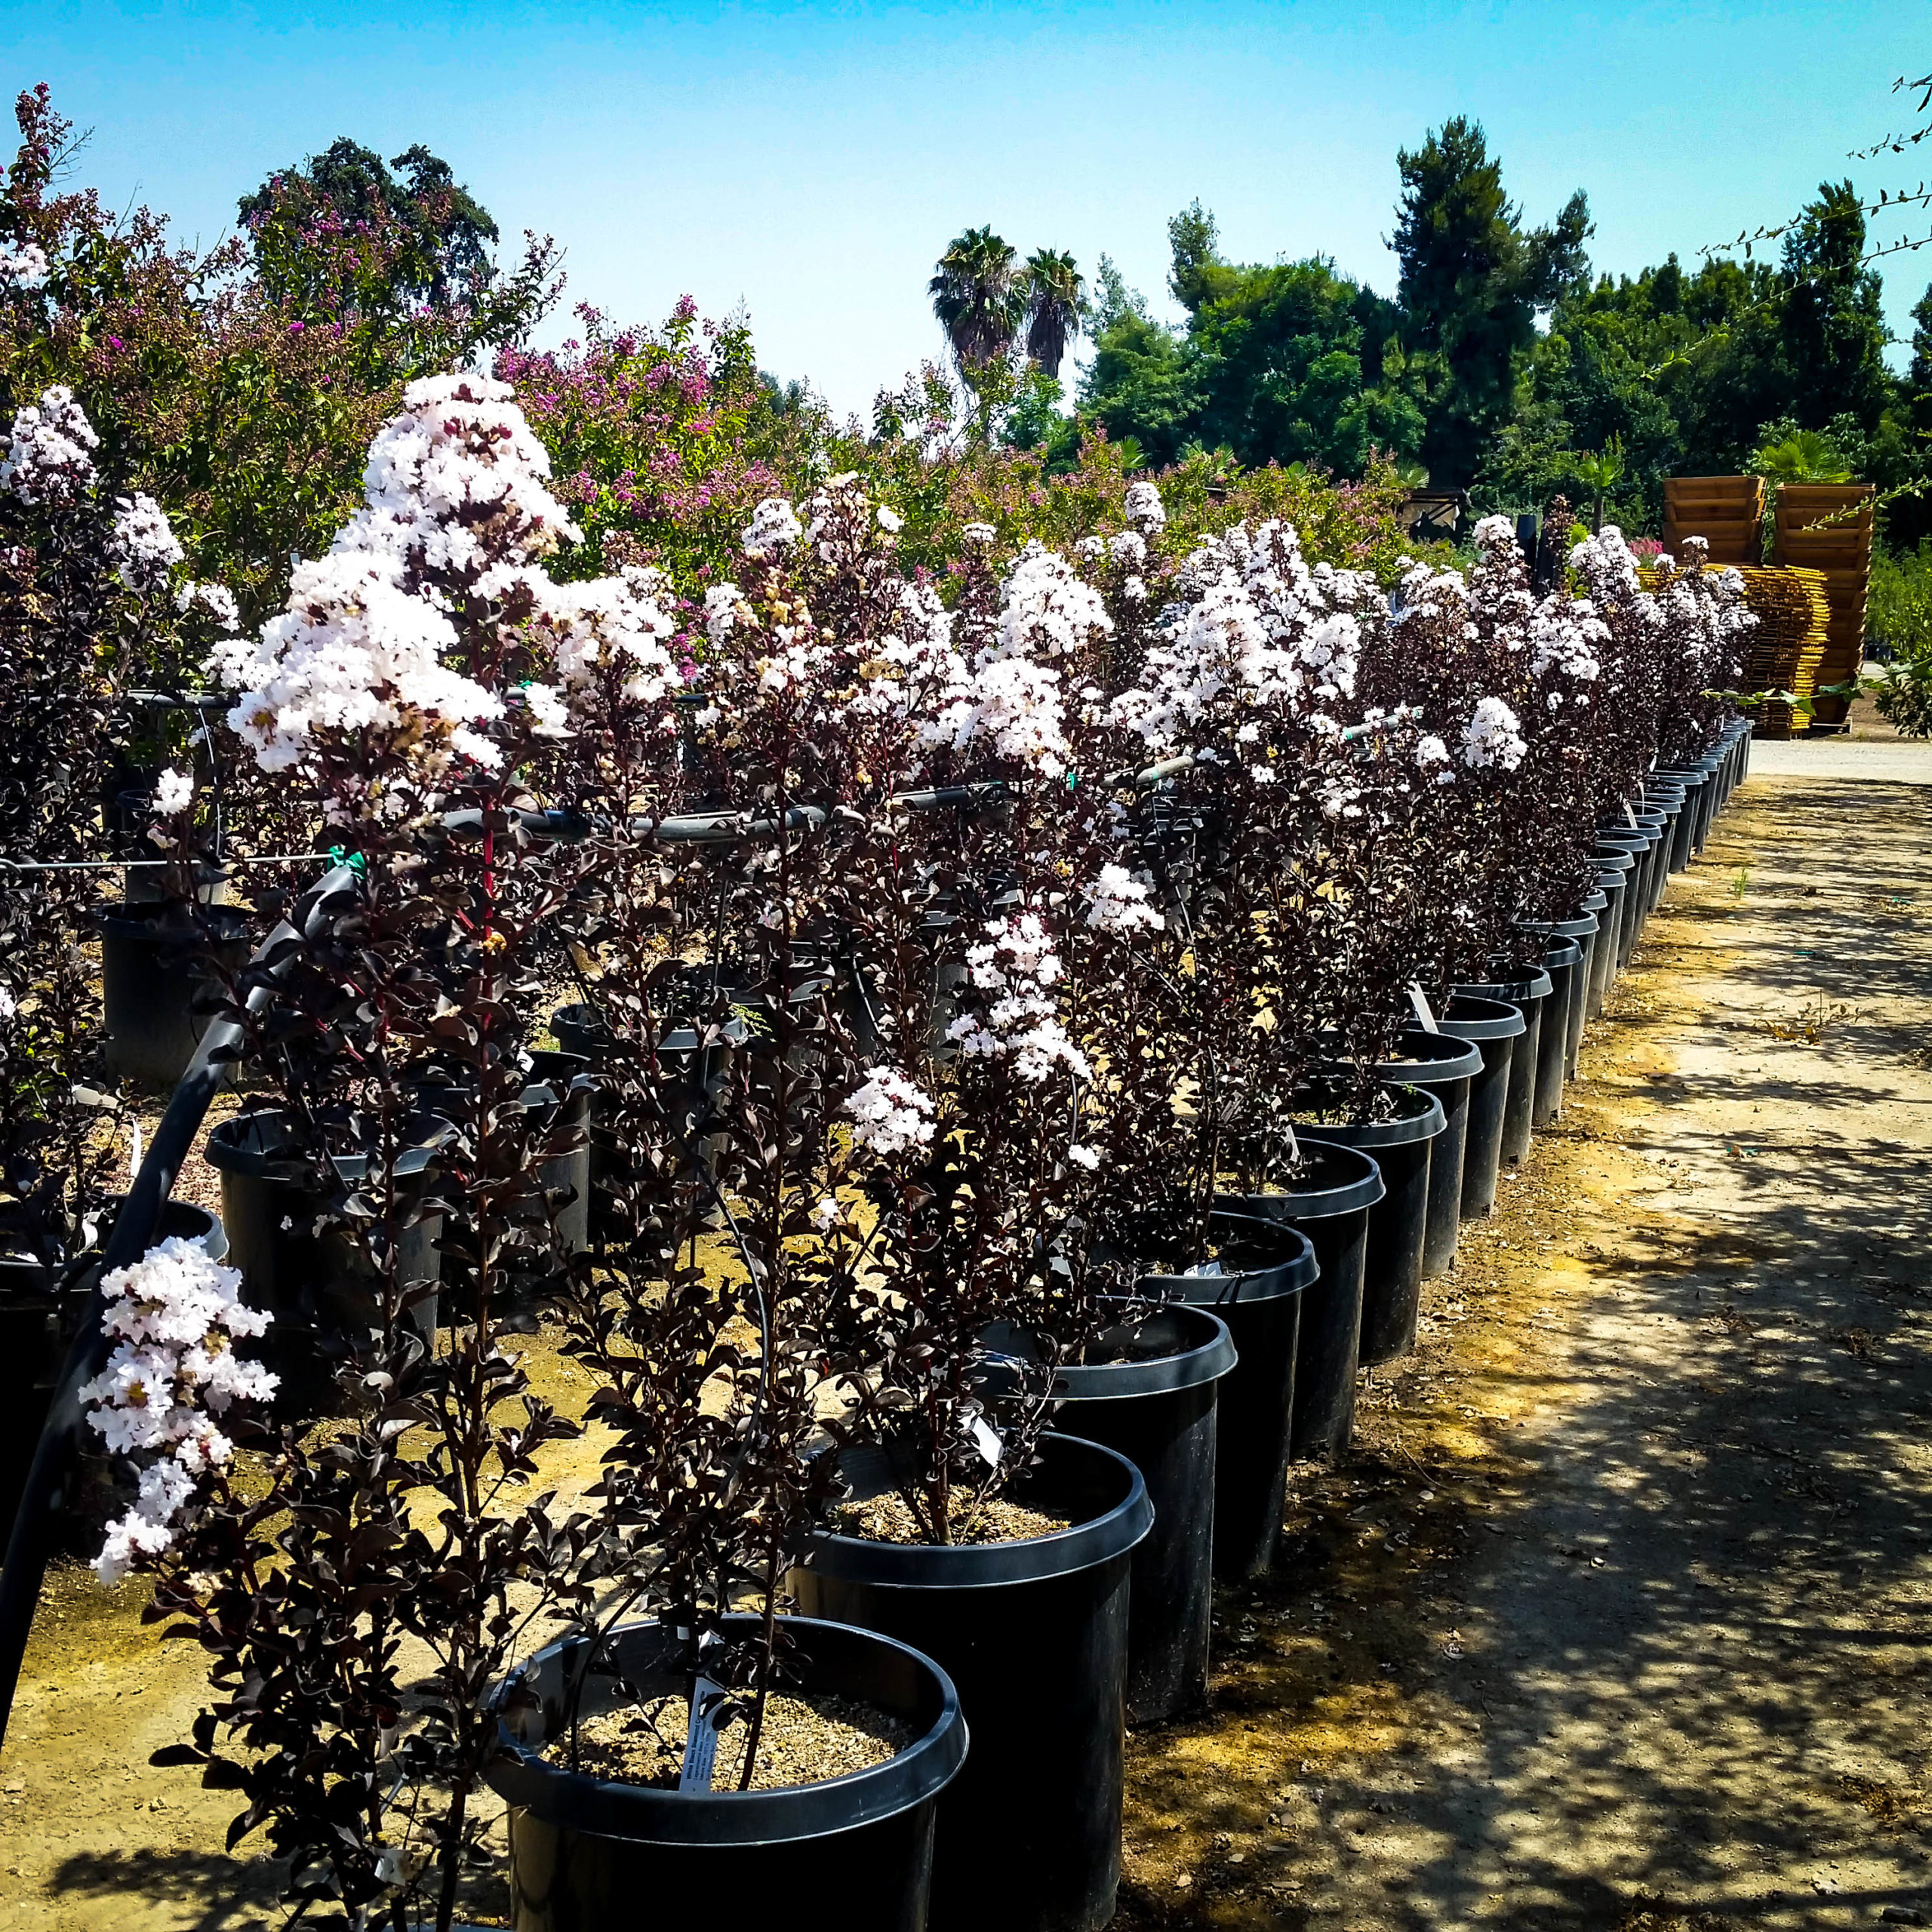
354, 651
457, 486
1703, 610
1259, 627
215, 601
612, 623
25, 268
48, 462
457, 505
1117, 903
1566, 635
1016, 966
1493, 736
889, 1113
173, 792
1045, 610
1144, 507
774, 526
1004, 697
143, 547
177, 1313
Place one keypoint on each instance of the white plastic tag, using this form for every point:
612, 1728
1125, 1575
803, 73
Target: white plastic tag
1630, 818
1425, 1017
986, 1442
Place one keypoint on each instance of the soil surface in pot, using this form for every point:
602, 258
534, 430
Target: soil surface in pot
806, 1739
889, 1519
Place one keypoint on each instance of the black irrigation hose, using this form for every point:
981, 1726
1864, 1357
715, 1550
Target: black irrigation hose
32, 1542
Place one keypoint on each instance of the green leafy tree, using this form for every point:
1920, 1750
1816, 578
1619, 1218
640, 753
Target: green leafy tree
1801, 457
1832, 332
429, 237
1472, 281
243, 401
1279, 362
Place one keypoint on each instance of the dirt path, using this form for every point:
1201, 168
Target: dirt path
1620, 1617
1624, 1618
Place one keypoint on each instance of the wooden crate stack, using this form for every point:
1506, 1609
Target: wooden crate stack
1727, 512
1788, 643
1827, 527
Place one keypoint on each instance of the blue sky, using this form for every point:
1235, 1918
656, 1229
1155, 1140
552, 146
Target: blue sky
811, 160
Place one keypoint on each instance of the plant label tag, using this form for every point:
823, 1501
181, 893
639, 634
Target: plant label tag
987, 1441
1425, 1016
1629, 818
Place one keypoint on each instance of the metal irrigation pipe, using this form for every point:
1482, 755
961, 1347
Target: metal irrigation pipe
132, 865
32, 1542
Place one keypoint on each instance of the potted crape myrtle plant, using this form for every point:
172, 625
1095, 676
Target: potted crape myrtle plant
706, 1322
1232, 694
945, 1113
87, 602
420, 682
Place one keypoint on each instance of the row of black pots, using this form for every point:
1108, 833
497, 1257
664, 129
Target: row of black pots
36, 1327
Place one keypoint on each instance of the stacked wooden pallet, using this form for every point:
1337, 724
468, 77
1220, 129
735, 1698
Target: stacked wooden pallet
1827, 528
1727, 512
1788, 645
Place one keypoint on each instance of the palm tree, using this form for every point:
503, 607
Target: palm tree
1602, 472
979, 296
1056, 307
1803, 457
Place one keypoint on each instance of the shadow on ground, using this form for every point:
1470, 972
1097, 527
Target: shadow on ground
1652, 1636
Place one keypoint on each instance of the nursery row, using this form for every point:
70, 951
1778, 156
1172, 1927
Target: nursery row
973, 1067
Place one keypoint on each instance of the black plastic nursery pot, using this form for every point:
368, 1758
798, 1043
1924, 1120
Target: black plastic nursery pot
1562, 962
1595, 905
1445, 1064
1684, 840
1622, 850
1657, 824
1702, 804
1267, 1270
1582, 930
1156, 1403
1643, 848
1715, 793
1034, 1635
1530, 994
1613, 884
568, 1076
588, 1854
314, 1286
152, 972
1398, 1223
1329, 1200
580, 1030
1654, 860
34, 1336
1494, 1027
